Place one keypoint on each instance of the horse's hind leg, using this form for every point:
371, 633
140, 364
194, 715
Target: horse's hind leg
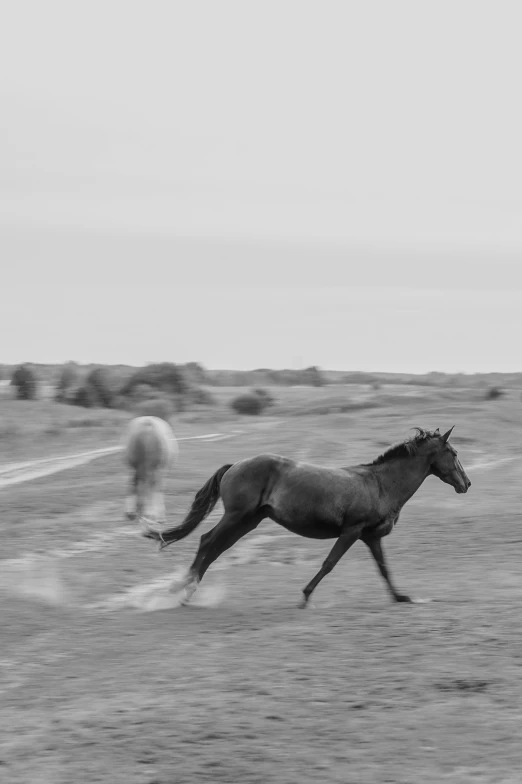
226, 533
160, 507
158, 501
131, 499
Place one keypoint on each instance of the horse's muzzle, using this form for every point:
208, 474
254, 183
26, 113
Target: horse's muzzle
463, 486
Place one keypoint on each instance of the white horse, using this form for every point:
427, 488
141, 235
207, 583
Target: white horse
150, 449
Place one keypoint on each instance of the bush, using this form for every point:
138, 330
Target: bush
26, 383
493, 393
265, 396
247, 404
253, 403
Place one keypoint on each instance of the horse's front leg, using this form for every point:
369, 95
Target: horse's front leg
375, 546
345, 541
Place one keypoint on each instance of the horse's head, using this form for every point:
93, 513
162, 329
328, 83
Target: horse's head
446, 465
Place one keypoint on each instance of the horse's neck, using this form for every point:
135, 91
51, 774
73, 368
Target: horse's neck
402, 477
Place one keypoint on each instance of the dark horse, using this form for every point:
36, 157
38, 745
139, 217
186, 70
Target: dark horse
345, 504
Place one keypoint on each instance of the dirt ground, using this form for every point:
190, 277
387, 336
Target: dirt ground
248, 688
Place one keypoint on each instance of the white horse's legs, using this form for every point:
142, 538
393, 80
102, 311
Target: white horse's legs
154, 507
130, 507
159, 507
152, 514
131, 499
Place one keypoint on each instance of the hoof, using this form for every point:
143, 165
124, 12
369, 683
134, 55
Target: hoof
176, 589
409, 600
401, 597
189, 593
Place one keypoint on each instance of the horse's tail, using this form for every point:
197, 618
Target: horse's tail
204, 502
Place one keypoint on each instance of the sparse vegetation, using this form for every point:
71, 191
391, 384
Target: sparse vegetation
187, 384
311, 376
165, 389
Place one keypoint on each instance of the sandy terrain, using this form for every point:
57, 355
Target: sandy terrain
244, 686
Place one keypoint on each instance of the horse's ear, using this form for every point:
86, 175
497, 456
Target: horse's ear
447, 435
437, 432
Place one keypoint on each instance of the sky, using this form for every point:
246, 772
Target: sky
251, 184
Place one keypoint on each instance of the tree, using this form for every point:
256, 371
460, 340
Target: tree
98, 380
165, 377
66, 381
96, 391
196, 373
313, 376
26, 383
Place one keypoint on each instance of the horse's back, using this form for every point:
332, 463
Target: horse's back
274, 474
259, 467
269, 465
150, 440
313, 496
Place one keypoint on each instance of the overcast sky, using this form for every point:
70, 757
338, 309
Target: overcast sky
260, 183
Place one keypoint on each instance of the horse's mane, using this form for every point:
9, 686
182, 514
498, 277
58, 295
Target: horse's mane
406, 448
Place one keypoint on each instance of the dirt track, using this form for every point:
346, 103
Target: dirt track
17, 473
252, 689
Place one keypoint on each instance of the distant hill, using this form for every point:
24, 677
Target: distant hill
48, 374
